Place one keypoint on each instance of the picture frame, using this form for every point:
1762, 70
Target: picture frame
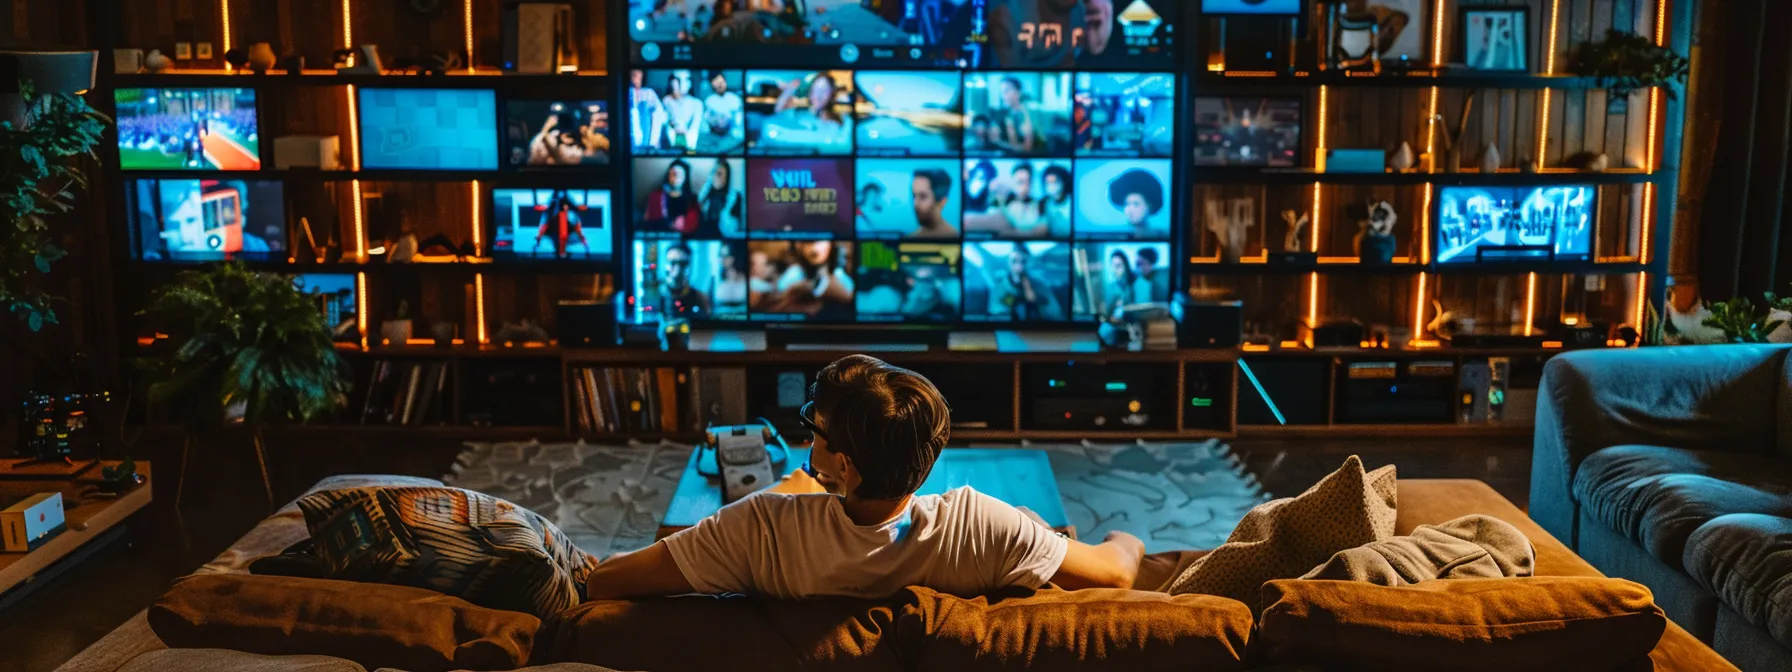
1403, 36
1495, 38
1219, 141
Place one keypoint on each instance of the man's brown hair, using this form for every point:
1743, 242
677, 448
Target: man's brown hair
892, 423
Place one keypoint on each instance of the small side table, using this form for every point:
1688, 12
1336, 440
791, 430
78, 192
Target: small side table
92, 522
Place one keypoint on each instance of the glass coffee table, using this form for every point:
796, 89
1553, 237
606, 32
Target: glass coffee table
1019, 476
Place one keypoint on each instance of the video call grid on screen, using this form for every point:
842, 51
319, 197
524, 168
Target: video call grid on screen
728, 213
961, 34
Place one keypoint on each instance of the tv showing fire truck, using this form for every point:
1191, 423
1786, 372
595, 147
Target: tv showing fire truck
206, 220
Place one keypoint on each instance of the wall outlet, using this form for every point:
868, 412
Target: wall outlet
205, 50
183, 51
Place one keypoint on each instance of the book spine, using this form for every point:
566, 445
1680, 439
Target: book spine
667, 399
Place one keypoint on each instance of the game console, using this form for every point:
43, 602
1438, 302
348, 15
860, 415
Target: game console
743, 459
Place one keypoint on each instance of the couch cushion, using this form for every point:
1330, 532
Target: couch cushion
732, 633
1658, 496
371, 624
454, 541
225, 660
1746, 559
1497, 625
1074, 630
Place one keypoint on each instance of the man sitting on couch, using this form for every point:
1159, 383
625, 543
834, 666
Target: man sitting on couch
855, 528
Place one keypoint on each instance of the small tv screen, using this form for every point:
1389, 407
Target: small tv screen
908, 282
686, 112
336, 299
207, 220
799, 198
1125, 114
1123, 199
909, 113
1247, 131
1043, 34
1496, 224
187, 129
799, 112
696, 197
826, 32
1016, 281
697, 279
428, 129
793, 280
1238, 7
1111, 276
1017, 198
1017, 114
906, 198
552, 224
556, 133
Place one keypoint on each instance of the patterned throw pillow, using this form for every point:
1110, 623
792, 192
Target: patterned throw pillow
1285, 538
470, 545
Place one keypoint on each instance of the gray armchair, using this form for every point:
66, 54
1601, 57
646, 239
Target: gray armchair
1673, 467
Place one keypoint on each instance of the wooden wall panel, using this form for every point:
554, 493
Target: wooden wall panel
43, 24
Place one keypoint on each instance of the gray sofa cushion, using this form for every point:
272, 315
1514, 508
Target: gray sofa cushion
1746, 559
1658, 496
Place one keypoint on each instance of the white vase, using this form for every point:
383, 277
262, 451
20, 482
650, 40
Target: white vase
1490, 159
1401, 160
156, 61
261, 57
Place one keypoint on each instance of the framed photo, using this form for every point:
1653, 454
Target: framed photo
1496, 39
1402, 24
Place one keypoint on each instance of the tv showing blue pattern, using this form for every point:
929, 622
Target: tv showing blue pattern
428, 129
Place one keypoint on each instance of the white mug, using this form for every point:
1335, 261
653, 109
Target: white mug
127, 61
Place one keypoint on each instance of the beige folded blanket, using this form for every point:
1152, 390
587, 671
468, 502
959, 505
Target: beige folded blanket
1470, 547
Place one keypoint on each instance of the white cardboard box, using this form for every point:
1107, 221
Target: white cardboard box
31, 522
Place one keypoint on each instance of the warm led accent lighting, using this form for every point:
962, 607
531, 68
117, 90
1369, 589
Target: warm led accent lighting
1318, 199
1437, 36
1642, 297
468, 9
224, 13
1549, 61
1425, 228
1250, 73
360, 225
1642, 253
479, 305
1255, 347
1290, 345
1661, 22
1418, 311
1649, 142
1552, 345
1431, 122
478, 234
1543, 130
354, 131
1530, 302
1313, 298
348, 30
361, 307
1423, 344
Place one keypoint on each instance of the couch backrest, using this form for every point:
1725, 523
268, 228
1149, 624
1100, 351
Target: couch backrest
1713, 397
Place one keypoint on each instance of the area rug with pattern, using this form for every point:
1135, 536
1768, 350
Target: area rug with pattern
610, 497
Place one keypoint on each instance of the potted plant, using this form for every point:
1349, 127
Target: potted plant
244, 347
1743, 322
43, 137
1626, 62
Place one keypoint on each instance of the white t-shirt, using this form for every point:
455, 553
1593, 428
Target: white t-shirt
799, 546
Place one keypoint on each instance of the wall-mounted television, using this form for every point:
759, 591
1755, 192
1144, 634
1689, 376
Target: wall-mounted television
808, 32
428, 129
922, 197
551, 223
336, 298
187, 129
556, 133
206, 219
1515, 224
1253, 7
1046, 34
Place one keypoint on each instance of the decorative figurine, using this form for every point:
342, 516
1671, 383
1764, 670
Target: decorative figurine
1592, 162
1452, 154
1490, 159
1375, 239
1229, 228
1400, 160
238, 58
157, 62
1291, 240
261, 57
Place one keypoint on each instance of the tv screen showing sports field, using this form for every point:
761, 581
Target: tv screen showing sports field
900, 196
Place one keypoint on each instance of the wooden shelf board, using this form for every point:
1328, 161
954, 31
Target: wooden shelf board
1415, 430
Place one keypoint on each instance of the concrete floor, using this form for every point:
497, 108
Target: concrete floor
224, 499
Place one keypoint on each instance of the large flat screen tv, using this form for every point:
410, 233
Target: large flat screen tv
905, 196
187, 129
428, 129
1507, 224
206, 219
549, 223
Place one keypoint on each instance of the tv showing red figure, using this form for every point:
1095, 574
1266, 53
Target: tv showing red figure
551, 224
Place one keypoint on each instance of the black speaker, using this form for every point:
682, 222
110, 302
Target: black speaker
1391, 391
586, 324
1208, 324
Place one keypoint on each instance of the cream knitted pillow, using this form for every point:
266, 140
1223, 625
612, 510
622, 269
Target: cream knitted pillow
1285, 538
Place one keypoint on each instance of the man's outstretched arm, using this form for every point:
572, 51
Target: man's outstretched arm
1114, 563
649, 572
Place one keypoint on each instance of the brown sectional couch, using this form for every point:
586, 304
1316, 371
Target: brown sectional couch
922, 629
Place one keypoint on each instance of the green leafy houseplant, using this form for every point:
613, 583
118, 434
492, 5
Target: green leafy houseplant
243, 345
1743, 322
1627, 62
39, 177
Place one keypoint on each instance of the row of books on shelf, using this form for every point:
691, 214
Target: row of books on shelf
651, 400
407, 393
